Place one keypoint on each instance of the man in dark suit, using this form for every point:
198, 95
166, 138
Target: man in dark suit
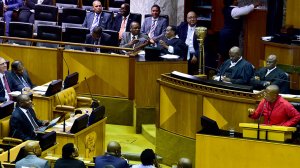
27, 10
5, 84
111, 157
235, 70
98, 38
97, 18
270, 75
19, 77
8, 7
156, 25
186, 32
134, 38
124, 19
23, 121
172, 45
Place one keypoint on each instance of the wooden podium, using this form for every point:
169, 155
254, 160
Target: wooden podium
267, 132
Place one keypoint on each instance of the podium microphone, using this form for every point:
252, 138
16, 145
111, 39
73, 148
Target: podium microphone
258, 121
67, 65
95, 102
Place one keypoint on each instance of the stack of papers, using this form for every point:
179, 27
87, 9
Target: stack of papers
169, 56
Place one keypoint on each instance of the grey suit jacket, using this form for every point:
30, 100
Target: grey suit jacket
160, 27
32, 161
105, 20
126, 38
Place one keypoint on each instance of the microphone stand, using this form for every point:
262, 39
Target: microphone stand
258, 122
8, 150
95, 103
64, 123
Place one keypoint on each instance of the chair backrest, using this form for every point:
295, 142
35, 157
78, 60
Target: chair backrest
139, 17
46, 13
88, 5
20, 29
1, 10
2, 28
164, 16
75, 34
5, 128
114, 37
66, 97
73, 15
47, 32
66, 3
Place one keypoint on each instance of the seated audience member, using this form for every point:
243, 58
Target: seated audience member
32, 159
270, 75
23, 121
98, 38
156, 25
184, 163
97, 18
69, 153
123, 20
134, 38
235, 70
112, 157
186, 32
8, 7
148, 160
275, 109
27, 10
19, 77
173, 45
5, 86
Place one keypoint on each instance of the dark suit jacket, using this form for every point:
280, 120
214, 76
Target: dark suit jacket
64, 163
2, 91
105, 40
276, 77
16, 83
160, 27
180, 48
182, 34
118, 21
105, 20
107, 159
126, 38
30, 4
20, 126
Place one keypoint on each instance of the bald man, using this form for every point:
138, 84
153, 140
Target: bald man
271, 75
235, 70
32, 159
111, 157
186, 32
275, 110
184, 163
5, 84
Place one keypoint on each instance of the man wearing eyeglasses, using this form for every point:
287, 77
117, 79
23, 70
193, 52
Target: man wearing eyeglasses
271, 75
5, 85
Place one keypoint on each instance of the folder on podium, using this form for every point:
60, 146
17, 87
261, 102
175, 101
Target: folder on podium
267, 132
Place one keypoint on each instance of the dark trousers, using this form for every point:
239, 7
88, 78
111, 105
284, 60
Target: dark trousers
193, 69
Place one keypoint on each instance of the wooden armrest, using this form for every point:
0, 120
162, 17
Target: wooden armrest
64, 108
84, 101
10, 140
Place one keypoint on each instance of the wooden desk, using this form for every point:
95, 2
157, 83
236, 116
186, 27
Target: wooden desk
217, 151
89, 141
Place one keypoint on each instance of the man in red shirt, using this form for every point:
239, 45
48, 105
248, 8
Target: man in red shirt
275, 110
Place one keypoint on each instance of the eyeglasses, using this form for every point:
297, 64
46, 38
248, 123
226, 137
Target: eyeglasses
3, 63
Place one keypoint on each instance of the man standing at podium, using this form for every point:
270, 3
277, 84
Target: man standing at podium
275, 110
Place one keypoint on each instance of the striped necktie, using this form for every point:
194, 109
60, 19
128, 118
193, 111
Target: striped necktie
152, 29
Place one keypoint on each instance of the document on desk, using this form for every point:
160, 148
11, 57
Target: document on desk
40, 88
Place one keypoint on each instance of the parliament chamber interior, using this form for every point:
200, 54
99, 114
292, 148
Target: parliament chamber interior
143, 94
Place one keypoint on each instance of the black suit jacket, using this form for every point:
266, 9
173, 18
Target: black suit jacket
20, 126
16, 83
119, 19
2, 90
104, 40
180, 48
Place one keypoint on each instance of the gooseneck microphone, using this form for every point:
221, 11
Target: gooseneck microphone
95, 102
8, 151
258, 121
67, 65
64, 124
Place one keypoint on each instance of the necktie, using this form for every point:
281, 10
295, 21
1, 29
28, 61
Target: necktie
6, 86
24, 83
95, 22
151, 32
122, 29
34, 124
133, 38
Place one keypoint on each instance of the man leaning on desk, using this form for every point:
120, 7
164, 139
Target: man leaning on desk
23, 121
275, 109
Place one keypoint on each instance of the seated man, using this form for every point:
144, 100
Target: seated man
23, 121
69, 154
173, 45
270, 75
27, 10
156, 25
134, 38
235, 70
8, 8
19, 77
97, 18
148, 159
5, 85
111, 157
98, 38
275, 110
32, 159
